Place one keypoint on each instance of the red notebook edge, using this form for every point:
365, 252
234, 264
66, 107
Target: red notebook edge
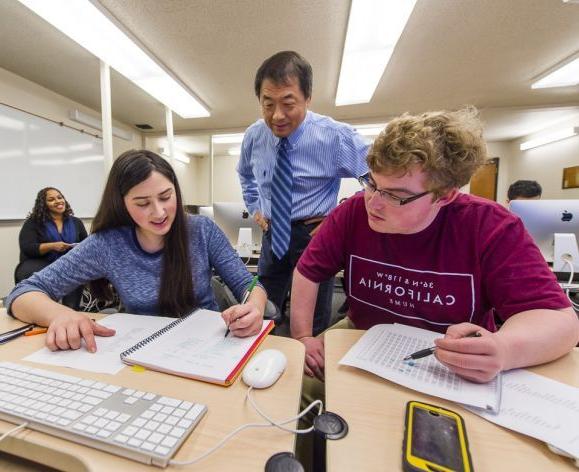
239, 367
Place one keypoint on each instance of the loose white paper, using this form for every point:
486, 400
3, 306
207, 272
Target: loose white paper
539, 407
130, 329
382, 348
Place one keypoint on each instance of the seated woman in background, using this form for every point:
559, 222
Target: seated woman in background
158, 259
49, 232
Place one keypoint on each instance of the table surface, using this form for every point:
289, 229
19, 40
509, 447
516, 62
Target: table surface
374, 410
227, 409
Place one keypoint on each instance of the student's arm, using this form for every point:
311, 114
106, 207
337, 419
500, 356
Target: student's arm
525, 339
34, 300
243, 320
539, 324
31, 244
303, 304
66, 327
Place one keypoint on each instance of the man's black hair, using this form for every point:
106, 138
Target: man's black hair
524, 189
282, 66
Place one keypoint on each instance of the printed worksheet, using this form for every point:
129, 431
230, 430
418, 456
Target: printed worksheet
130, 329
382, 349
539, 407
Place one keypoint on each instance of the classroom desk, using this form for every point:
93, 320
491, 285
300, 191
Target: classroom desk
249, 450
374, 410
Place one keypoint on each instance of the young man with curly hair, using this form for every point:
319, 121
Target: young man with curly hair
417, 251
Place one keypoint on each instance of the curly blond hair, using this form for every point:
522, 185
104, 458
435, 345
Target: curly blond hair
448, 145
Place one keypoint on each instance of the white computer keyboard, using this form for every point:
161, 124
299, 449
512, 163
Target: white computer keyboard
142, 426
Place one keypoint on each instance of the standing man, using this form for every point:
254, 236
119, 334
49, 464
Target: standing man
290, 169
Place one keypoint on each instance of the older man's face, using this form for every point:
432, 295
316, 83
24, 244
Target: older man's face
283, 106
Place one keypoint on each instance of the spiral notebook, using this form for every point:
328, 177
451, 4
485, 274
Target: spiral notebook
195, 347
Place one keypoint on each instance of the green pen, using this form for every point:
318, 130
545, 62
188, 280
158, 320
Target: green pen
246, 296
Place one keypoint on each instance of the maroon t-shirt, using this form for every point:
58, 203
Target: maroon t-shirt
474, 258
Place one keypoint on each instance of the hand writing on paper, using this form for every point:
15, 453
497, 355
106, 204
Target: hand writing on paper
243, 320
314, 366
67, 330
476, 359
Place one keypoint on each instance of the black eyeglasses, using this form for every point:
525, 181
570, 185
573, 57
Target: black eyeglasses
369, 186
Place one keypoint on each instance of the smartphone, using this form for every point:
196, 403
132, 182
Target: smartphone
434, 440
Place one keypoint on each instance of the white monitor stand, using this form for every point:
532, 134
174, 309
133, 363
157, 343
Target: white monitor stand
565, 248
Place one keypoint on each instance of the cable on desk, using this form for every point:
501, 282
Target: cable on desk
271, 423
13, 430
567, 261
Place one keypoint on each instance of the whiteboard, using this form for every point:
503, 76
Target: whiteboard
37, 153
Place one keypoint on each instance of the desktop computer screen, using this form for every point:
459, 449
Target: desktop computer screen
230, 217
544, 218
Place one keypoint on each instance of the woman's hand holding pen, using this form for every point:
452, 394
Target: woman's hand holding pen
243, 320
478, 359
67, 329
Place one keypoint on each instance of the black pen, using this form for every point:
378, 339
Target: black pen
10, 335
245, 297
430, 350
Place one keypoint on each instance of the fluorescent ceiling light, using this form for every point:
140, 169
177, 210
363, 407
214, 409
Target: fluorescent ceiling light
180, 156
370, 130
547, 138
85, 24
235, 138
96, 123
562, 76
374, 28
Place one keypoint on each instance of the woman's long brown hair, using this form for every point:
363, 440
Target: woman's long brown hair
176, 296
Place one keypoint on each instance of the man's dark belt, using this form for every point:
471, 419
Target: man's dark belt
309, 221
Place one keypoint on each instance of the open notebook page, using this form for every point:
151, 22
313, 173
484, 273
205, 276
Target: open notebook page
196, 348
382, 348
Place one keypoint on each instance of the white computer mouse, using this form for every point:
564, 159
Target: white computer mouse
264, 369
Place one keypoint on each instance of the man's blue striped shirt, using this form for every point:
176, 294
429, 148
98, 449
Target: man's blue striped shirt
321, 151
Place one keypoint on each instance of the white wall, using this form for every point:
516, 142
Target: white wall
193, 177
28, 96
545, 163
226, 186
502, 150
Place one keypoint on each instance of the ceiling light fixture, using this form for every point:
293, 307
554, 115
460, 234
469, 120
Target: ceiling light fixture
87, 25
547, 138
374, 27
564, 74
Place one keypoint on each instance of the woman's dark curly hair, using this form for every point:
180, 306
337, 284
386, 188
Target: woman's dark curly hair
40, 212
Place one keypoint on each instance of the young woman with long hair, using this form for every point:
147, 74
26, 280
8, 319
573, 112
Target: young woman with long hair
50, 231
158, 259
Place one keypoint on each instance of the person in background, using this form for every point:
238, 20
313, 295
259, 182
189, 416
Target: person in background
524, 190
50, 230
417, 251
290, 168
159, 260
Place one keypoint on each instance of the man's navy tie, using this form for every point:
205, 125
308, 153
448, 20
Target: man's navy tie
281, 201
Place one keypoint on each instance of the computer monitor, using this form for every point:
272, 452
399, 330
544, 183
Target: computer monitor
545, 218
230, 217
206, 211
